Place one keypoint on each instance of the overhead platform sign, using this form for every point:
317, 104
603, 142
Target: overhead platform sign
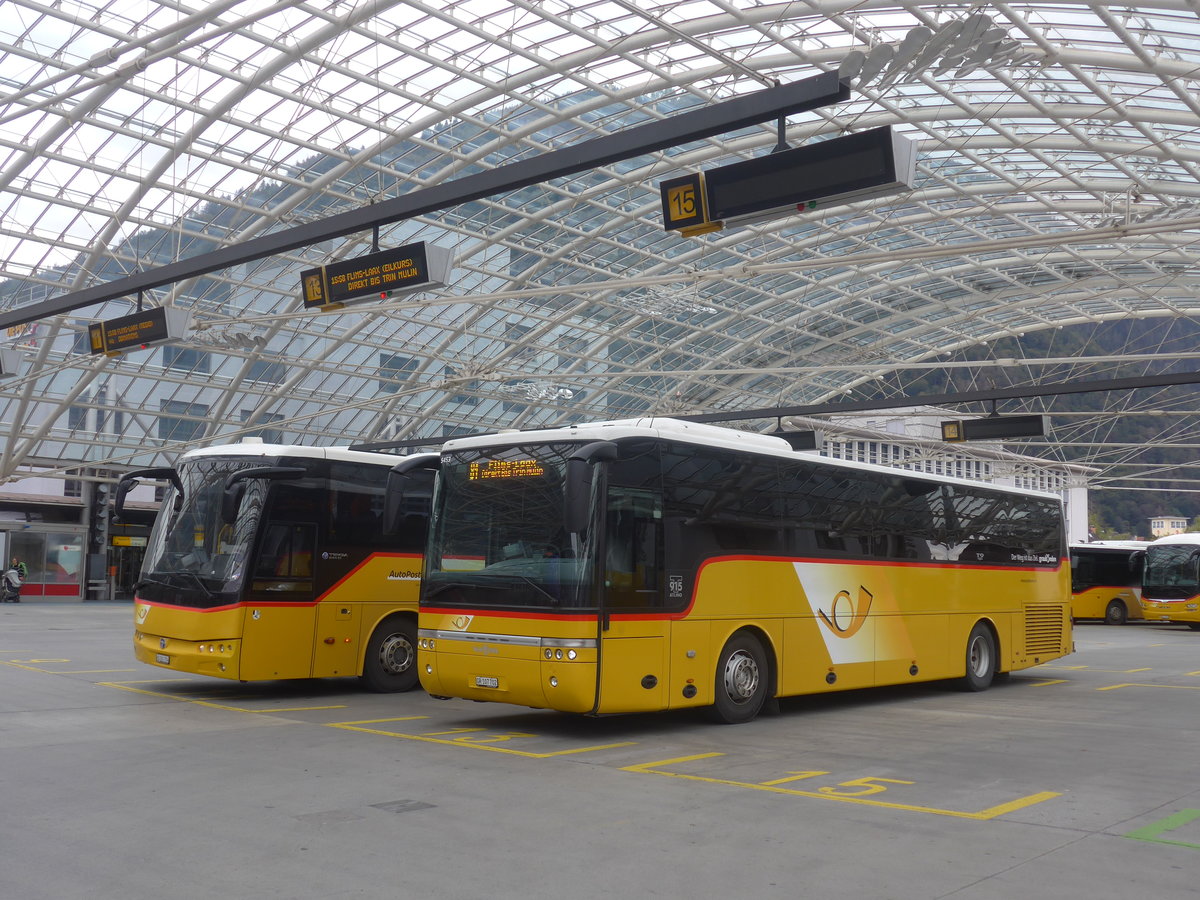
159, 325
841, 170
993, 428
379, 275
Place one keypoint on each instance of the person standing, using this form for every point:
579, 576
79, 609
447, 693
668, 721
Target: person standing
21, 568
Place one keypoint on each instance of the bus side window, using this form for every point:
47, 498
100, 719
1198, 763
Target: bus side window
634, 551
287, 551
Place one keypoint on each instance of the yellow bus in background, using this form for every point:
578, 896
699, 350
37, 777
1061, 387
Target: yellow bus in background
658, 564
1106, 580
273, 562
1171, 580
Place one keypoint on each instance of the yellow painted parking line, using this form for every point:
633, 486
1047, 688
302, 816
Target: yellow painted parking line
471, 737
26, 664
274, 709
1178, 687
794, 776
1045, 683
656, 768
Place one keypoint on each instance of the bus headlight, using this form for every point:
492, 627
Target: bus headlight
571, 654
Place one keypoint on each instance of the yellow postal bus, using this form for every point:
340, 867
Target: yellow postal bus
657, 564
1106, 580
1171, 580
269, 561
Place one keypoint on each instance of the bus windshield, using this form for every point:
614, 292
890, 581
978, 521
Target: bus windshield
498, 536
193, 558
1171, 572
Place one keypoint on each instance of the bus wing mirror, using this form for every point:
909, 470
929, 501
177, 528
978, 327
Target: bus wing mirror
235, 486
1137, 559
397, 483
130, 479
578, 481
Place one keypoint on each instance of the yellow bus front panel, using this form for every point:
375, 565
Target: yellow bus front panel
198, 641
1175, 612
535, 662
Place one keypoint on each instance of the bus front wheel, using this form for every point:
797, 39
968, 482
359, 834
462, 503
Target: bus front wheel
1115, 613
981, 659
741, 681
391, 662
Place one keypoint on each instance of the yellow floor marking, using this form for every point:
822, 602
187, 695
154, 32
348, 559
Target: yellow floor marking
274, 709
22, 664
1191, 673
655, 768
1044, 683
466, 740
1178, 687
794, 776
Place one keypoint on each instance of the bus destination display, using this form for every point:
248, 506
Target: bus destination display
505, 468
398, 269
137, 331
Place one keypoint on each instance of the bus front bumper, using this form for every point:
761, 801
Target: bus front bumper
522, 671
218, 658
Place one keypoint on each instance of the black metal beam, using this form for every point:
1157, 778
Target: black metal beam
1044, 390
730, 115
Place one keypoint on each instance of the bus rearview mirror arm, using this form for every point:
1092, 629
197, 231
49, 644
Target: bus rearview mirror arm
130, 479
578, 481
235, 486
397, 481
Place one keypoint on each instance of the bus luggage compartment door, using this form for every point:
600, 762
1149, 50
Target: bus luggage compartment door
336, 649
633, 670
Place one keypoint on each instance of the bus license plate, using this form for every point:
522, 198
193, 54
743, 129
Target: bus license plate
162, 658
486, 681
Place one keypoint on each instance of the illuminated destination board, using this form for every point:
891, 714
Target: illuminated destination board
505, 468
412, 267
158, 325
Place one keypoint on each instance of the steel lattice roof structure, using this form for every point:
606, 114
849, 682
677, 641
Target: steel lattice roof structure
1056, 204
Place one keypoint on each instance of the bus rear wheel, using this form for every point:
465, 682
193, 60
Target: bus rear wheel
391, 662
741, 681
980, 658
1115, 613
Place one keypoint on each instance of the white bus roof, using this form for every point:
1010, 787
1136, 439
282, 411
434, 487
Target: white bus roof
260, 449
708, 436
1110, 545
1186, 538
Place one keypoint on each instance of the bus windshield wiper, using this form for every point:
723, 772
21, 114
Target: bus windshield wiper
159, 582
432, 590
199, 582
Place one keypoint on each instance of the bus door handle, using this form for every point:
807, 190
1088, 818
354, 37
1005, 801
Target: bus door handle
604, 619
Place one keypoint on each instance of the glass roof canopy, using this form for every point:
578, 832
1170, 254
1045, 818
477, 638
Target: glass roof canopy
1057, 198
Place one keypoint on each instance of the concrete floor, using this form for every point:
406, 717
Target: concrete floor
1079, 779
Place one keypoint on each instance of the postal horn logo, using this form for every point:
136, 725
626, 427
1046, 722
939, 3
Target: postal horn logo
846, 614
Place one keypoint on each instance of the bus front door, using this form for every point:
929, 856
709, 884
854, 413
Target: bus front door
280, 614
633, 645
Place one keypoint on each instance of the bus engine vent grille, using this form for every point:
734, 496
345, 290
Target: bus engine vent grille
1043, 629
